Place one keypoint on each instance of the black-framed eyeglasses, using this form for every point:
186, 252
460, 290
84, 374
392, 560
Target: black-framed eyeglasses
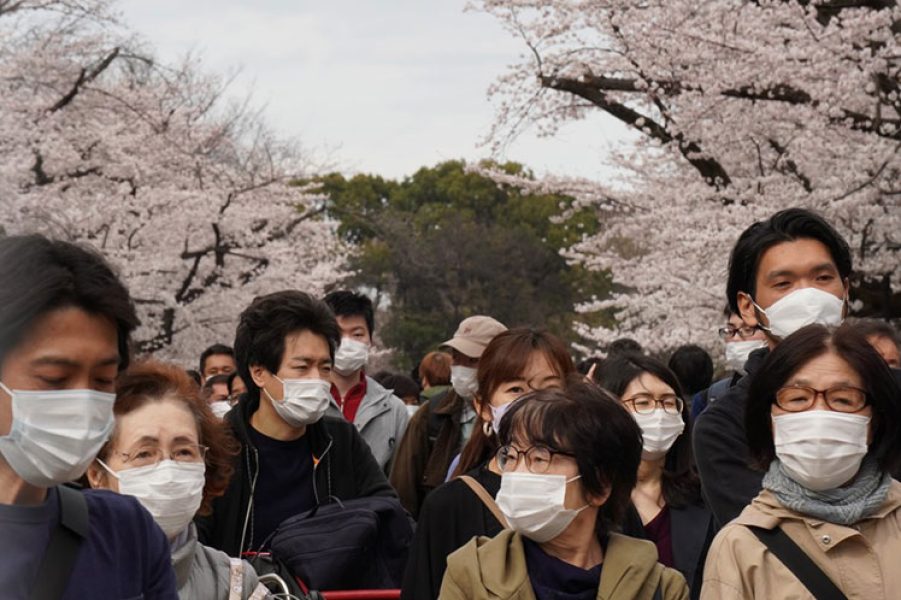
646, 403
840, 398
150, 455
730, 331
538, 458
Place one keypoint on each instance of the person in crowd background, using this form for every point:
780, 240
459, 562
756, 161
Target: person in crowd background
785, 272
624, 346
823, 423
515, 362
739, 341
437, 430
434, 373
65, 323
236, 388
666, 501
404, 388
883, 338
218, 359
568, 460
293, 457
379, 416
693, 368
215, 393
170, 452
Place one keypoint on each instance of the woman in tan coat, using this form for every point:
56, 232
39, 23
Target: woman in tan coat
568, 460
823, 417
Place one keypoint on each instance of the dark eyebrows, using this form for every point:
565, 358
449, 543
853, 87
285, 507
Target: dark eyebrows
58, 361
310, 359
820, 268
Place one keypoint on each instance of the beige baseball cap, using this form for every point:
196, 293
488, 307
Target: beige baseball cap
474, 334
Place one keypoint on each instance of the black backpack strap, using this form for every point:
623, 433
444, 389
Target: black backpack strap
65, 539
797, 561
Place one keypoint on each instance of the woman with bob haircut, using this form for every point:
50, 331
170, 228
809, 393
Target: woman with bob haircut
666, 508
569, 459
515, 362
170, 452
822, 420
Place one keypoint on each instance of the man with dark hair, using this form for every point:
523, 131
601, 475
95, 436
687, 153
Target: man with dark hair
693, 368
65, 322
786, 272
624, 346
218, 359
883, 338
380, 416
293, 457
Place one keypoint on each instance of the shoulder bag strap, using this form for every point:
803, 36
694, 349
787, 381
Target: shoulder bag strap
486, 499
65, 539
797, 561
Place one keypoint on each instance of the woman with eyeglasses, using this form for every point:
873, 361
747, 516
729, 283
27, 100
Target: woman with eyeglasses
666, 503
514, 363
822, 420
170, 452
569, 459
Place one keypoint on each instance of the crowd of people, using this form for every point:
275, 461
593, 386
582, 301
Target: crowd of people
499, 468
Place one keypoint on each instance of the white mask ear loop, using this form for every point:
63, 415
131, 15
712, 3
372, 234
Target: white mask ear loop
107, 467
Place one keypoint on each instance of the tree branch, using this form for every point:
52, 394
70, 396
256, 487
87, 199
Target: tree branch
85, 77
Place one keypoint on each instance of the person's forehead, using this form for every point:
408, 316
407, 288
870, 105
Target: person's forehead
220, 359
69, 337
306, 345
735, 320
159, 420
798, 256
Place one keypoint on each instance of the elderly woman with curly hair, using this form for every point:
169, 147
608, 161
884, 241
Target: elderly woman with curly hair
170, 452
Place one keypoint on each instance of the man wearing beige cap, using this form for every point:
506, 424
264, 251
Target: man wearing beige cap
437, 431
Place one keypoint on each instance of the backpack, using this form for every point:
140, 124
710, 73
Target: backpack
346, 545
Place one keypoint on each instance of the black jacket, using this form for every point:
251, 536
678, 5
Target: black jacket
450, 516
728, 483
344, 468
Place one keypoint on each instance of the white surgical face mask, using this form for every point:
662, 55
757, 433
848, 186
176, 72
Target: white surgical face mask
412, 409
56, 434
170, 491
220, 407
305, 400
498, 412
801, 308
659, 431
534, 504
351, 356
821, 449
464, 381
737, 353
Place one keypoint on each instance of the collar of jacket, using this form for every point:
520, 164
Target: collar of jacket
766, 512
374, 403
500, 565
183, 556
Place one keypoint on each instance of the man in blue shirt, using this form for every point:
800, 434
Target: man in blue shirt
65, 320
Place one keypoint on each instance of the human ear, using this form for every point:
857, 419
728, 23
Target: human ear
482, 408
746, 310
96, 475
258, 374
598, 500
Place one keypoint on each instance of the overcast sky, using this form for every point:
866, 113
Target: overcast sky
390, 85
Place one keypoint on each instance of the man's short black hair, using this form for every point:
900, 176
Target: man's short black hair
694, 368
624, 346
785, 226
212, 350
345, 303
39, 275
264, 325
876, 328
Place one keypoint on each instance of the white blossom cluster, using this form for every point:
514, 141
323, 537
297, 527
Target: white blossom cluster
185, 191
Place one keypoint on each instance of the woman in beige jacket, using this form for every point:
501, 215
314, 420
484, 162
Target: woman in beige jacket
823, 416
568, 460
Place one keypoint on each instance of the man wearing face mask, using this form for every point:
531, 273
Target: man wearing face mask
786, 272
65, 321
441, 426
379, 415
293, 455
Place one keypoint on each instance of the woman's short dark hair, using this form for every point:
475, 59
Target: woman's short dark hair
264, 325
785, 226
345, 303
798, 349
681, 486
152, 381
504, 359
39, 275
587, 422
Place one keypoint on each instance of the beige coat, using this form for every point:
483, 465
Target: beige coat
863, 560
495, 569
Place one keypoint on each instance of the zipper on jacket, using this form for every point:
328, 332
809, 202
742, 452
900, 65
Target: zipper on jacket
328, 471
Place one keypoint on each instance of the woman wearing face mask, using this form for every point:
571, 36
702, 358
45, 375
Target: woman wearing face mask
569, 459
823, 423
666, 502
170, 452
514, 363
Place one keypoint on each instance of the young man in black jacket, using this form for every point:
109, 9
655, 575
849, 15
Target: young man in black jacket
292, 457
786, 272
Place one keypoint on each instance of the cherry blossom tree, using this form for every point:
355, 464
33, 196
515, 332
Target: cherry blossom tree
741, 108
183, 189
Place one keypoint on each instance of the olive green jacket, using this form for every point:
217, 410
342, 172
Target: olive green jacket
495, 569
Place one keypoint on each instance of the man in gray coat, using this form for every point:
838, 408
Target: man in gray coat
380, 416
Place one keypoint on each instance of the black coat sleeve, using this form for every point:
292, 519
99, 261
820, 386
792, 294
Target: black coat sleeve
721, 451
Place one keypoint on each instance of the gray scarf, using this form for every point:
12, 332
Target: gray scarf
843, 506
